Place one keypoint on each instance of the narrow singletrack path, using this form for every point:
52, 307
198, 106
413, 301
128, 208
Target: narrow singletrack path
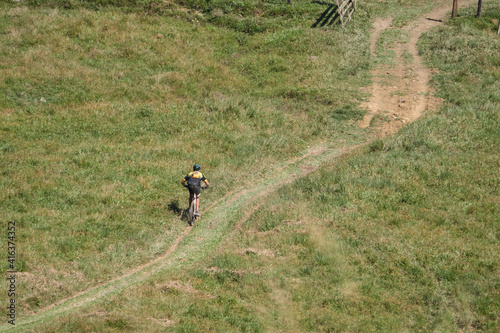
231, 211
194, 242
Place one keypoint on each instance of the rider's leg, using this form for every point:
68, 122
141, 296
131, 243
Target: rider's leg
198, 204
191, 197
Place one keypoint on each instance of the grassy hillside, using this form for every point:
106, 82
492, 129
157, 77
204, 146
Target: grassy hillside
105, 108
401, 236
104, 112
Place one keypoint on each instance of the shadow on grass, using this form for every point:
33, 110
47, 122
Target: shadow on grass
174, 207
328, 17
434, 20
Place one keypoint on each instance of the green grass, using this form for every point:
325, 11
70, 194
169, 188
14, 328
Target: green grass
389, 37
403, 235
400, 236
104, 112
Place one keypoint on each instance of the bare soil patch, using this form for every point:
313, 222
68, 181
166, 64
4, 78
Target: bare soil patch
401, 92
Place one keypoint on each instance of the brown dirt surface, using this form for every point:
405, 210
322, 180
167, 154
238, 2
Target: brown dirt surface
401, 92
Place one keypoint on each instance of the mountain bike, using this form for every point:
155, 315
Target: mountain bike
193, 215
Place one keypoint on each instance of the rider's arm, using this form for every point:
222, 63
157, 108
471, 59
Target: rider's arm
205, 180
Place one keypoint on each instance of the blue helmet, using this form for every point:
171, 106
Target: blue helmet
196, 167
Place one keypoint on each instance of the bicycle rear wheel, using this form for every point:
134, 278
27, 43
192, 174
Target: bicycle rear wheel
192, 211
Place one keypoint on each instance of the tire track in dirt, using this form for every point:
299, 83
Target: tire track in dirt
218, 216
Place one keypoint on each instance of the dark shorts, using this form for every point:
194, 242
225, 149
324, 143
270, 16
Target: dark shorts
194, 189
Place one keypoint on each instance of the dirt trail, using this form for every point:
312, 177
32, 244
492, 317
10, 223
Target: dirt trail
400, 92
220, 220
229, 213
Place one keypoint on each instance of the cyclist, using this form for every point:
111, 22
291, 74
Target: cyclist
194, 180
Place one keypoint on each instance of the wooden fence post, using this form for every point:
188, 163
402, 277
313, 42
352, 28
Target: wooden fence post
479, 5
455, 9
345, 10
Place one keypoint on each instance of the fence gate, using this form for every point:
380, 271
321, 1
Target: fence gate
345, 9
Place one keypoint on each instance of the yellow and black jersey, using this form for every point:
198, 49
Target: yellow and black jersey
194, 178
